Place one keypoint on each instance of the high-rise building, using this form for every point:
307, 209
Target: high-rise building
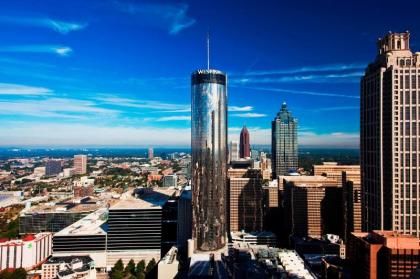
52, 167
382, 254
312, 206
284, 148
352, 203
389, 120
80, 164
150, 154
333, 170
244, 145
233, 151
209, 159
246, 202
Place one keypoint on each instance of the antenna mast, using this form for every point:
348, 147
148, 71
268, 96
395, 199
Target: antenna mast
208, 50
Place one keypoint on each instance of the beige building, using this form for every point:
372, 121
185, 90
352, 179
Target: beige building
312, 206
333, 170
389, 137
80, 164
352, 203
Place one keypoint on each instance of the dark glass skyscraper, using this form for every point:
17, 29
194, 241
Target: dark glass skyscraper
284, 143
209, 158
244, 148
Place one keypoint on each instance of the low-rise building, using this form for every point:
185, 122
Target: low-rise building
69, 267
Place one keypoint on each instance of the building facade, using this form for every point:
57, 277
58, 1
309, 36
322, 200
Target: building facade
284, 148
352, 203
233, 151
244, 145
28, 253
389, 120
382, 255
52, 167
150, 154
246, 198
80, 164
209, 158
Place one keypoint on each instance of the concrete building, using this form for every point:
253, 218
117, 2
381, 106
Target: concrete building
254, 238
83, 187
53, 167
150, 154
80, 164
39, 171
352, 203
284, 147
69, 267
233, 151
246, 202
333, 170
244, 144
168, 265
312, 206
389, 120
209, 159
383, 254
28, 253
48, 217
170, 180
184, 225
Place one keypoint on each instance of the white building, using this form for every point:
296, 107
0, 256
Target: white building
28, 252
39, 171
69, 267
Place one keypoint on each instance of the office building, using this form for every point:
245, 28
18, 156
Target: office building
170, 180
184, 225
333, 170
312, 206
150, 154
284, 147
69, 267
47, 217
382, 255
233, 151
246, 202
52, 167
168, 265
28, 253
389, 137
352, 203
80, 164
244, 145
254, 238
209, 159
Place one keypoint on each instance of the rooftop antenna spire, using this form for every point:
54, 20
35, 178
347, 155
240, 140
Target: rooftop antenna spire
208, 50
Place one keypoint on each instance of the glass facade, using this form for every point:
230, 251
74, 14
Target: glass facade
284, 143
209, 156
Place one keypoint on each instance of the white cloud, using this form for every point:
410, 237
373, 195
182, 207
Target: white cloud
306, 69
62, 27
299, 92
19, 89
169, 16
248, 115
237, 108
54, 107
174, 118
59, 50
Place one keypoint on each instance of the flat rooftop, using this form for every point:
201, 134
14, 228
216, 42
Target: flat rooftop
145, 198
92, 224
68, 206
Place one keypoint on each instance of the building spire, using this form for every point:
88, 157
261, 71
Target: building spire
208, 50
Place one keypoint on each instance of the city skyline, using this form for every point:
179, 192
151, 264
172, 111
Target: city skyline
117, 72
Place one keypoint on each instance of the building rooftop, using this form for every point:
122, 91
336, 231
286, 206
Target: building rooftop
70, 206
309, 180
294, 264
390, 239
27, 238
144, 198
92, 224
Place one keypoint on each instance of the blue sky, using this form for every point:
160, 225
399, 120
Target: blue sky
117, 72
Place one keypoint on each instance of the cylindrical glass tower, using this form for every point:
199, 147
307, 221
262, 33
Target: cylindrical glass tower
209, 156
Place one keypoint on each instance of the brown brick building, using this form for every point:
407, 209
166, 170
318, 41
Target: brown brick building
382, 254
352, 203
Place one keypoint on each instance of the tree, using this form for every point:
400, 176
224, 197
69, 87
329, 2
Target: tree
19, 273
140, 267
150, 265
117, 271
119, 265
130, 268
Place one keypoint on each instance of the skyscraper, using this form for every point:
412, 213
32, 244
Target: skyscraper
80, 164
389, 120
209, 156
244, 148
150, 154
233, 151
284, 143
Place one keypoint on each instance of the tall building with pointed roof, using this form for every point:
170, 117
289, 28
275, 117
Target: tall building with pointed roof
284, 148
244, 145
